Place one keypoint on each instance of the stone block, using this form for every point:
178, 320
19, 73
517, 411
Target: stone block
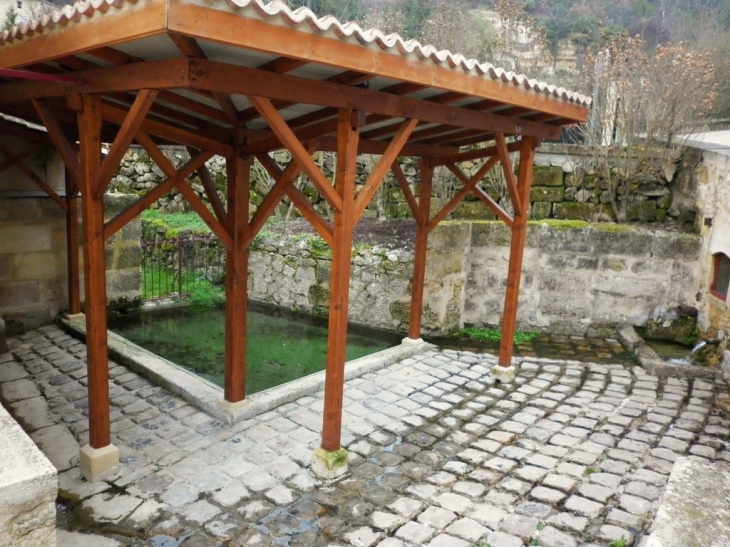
541, 210
28, 489
329, 465
547, 175
642, 211
473, 210
31, 266
546, 193
3, 338
20, 295
574, 211
98, 464
25, 239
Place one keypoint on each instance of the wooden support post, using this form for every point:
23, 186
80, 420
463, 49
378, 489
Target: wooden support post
419, 262
347, 138
517, 248
239, 172
92, 205
72, 246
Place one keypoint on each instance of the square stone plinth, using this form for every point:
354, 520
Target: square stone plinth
98, 464
329, 465
504, 375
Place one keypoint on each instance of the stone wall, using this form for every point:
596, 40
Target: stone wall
576, 278
559, 190
28, 488
711, 181
33, 270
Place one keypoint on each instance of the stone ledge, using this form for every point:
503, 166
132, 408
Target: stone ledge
208, 397
28, 489
655, 365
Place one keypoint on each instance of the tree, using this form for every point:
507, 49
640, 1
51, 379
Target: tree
645, 109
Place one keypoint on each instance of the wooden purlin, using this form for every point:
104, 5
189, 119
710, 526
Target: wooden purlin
516, 253
421, 247
94, 273
340, 280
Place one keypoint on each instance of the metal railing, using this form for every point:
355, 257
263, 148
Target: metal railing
177, 268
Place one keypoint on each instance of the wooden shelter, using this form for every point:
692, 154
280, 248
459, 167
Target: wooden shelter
241, 80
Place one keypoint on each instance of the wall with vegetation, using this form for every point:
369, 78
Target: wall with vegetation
577, 278
33, 280
559, 189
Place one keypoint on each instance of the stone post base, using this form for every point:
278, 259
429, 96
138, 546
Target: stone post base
412, 341
98, 464
328, 465
504, 375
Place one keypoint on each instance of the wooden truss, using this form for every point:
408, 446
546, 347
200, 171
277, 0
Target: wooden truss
243, 113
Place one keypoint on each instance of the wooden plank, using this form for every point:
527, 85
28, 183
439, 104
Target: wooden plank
117, 26
125, 136
340, 280
94, 273
509, 174
170, 133
235, 79
162, 188
406, 189
421, 248
72, 247
297, 150
329, 144
384, 164
190, 48
165, 74
469, 184
229, 28
64, 148
516, 252
239, 174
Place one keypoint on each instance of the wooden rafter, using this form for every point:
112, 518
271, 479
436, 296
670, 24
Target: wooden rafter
471, 155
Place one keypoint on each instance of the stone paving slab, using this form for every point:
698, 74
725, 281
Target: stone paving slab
570, 454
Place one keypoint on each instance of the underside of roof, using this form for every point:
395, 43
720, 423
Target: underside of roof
206, 60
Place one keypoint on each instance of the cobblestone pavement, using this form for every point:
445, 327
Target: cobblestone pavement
570, 454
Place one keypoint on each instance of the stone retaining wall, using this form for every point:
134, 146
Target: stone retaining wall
28, 488
559, 189
576, 278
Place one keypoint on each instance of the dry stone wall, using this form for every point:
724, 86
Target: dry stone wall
559, 189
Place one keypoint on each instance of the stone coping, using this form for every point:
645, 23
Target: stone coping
654, 364
208, 397
28, 488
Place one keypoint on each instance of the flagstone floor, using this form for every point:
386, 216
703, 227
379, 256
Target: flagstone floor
570, 454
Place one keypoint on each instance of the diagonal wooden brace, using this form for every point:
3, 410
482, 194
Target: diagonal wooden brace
509, 174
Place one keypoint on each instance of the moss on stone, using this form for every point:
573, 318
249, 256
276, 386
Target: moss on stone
332, 460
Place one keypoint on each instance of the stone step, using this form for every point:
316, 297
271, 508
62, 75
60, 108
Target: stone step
695, 508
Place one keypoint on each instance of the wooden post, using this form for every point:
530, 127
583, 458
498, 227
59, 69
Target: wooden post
92, 206
239, 171
72, 246
347, 142
516, 252
419, 262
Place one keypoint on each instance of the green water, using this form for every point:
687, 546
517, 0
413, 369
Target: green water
281, 346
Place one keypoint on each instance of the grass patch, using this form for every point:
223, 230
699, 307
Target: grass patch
493, 335
622, 542
161, 283
175, 223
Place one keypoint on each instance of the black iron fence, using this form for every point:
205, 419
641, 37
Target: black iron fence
184, 267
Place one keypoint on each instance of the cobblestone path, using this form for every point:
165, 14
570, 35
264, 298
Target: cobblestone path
570, 454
